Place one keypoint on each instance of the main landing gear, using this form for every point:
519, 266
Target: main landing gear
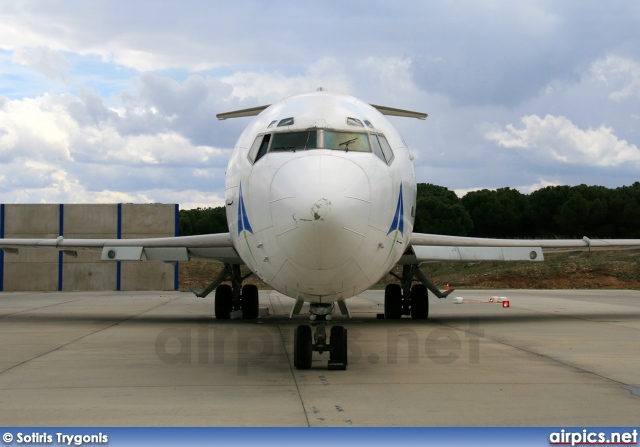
304, 343
235, 300
407, 298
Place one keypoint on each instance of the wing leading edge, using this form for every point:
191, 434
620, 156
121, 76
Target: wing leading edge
434, 247
215, 247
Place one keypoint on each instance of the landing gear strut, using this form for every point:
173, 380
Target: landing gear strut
235, 300
304, 343
409, 298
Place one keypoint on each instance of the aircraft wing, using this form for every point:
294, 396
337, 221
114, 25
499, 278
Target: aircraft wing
434, 247
214, 247
390, 111
253, 111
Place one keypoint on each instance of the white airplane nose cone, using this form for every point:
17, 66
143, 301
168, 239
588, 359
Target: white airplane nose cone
320, 208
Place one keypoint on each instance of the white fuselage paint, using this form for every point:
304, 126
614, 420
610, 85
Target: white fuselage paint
320, 224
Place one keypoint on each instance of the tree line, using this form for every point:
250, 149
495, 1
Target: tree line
551, 212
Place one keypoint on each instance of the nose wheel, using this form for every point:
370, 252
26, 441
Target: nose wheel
338, 351
304, 343
302, 347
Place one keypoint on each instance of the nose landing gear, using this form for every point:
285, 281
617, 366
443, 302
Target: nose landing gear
304, 344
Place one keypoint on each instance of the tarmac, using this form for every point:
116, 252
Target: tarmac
552, 358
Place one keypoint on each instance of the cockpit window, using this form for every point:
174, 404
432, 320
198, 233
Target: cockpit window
354, 122
264, 146
286, 122
386, 148
294, 141
368, 123
346, 141
377, 148
259, 147
272, 123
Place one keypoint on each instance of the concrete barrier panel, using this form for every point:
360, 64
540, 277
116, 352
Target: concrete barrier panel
153, 220
42, 269
92, 221
31, 219
89, 276
150, 275
32, 256
31, 269
40, 276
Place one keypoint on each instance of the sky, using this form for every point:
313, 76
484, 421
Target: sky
109, 101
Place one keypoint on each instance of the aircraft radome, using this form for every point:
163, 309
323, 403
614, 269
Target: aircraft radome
320, 199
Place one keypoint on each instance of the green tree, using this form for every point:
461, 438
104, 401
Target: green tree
203, 221
497, 213
624, 211
589, 211
572, 217
543, 207
439, 211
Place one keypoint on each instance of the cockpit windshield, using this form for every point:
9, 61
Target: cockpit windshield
294, 141
320, 139
346, 141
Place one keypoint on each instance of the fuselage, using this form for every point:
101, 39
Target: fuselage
320, 196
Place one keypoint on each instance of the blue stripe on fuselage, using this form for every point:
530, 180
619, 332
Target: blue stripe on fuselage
243, 221
398, 219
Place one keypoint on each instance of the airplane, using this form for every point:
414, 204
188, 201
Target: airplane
320, 199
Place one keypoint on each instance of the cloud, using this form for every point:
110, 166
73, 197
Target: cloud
499, 53
475, 53
622, 75
53, 184
187, 107
274, 85
52, 64
557, 138
33, 129
66, 147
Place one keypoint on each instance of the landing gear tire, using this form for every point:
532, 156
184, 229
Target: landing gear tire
392, 302
338, 349
249, 301
419, 302
302, 347
223, 302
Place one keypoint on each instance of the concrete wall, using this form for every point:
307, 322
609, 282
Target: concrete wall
50, 270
